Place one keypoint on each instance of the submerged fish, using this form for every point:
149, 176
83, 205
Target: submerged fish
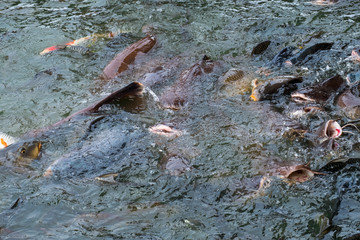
79, 49
183, 90
91, 158
267, 90
21, 153
260, 48
283, 55
79, 41
321, 92
304, 54
349, 101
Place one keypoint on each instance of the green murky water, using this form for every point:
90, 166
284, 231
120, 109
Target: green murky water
229, 141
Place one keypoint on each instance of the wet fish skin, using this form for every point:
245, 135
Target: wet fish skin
267, 90
121, 61
283, 55
260, 48
321, 92
301, 56
79, 49
183, 89
21, 153
133, 89
338, 164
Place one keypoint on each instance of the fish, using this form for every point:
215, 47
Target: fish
24, 151
321, 92
349, 101
121, 61
21, 153
78, 42
283, 55
79, 49
175, 165
182, 91
107, 178
88, 158
6, 140
271, 87
305, 54
338, 164
298, 173
326, 134
133, 89
260, 48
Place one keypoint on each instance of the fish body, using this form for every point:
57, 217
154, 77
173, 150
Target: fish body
79, 41
121, 61
283, 55
79, 49
260, 48
267, 90
24, 151
105, 150
21, 153
184, 88
302, 55
321, 92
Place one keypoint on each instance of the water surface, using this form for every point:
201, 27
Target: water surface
230, 141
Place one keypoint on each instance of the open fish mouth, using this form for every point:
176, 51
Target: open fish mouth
301, 98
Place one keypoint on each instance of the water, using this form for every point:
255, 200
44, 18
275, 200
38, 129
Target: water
230, 141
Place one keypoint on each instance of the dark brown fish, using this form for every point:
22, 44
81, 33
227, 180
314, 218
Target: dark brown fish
297, 173
260, 48
321, 92
183, 89
301, 56
121, 61
267, 90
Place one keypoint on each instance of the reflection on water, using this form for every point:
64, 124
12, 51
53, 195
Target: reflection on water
227, 142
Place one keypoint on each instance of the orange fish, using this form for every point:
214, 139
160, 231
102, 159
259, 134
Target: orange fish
6, 140
79, 41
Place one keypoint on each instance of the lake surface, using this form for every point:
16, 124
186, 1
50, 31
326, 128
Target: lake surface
229, 141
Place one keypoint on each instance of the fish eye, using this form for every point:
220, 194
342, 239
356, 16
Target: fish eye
22, 150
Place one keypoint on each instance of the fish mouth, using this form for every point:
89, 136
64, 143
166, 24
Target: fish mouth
301, 98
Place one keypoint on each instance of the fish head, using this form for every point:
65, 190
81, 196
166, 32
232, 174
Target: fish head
25, 153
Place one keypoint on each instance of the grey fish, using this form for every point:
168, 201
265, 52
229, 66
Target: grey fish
283, 55
304, 54
79, 49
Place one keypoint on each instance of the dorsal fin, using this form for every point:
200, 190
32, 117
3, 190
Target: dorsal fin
133, 89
